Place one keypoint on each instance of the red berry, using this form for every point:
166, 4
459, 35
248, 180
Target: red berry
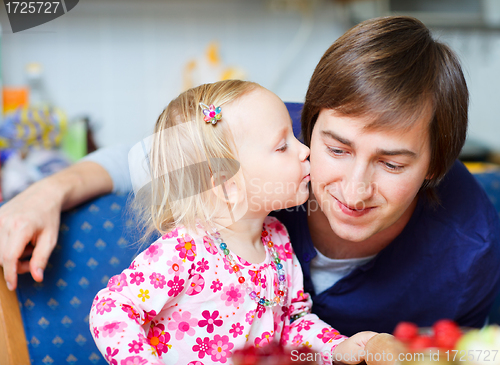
421, 343
445, 325
406, 331
447, 339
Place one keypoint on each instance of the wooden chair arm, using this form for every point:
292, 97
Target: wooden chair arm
13, 345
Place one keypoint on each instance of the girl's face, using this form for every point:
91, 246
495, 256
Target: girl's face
273, 161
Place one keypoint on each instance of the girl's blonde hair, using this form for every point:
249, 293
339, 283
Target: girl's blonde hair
188, 157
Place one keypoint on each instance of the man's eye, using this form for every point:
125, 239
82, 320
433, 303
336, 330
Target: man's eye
283, 148
393, 167
336, 151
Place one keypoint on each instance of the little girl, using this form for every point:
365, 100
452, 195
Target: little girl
223, 275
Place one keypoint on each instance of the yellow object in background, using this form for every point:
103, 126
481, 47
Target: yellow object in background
14, 98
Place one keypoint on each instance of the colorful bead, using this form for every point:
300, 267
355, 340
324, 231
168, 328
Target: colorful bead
280, 270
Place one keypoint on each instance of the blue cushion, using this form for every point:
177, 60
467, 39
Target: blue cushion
94, 244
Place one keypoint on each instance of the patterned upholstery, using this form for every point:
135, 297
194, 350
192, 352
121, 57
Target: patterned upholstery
94, 244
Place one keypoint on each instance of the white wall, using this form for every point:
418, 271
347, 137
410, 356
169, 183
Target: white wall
121, 61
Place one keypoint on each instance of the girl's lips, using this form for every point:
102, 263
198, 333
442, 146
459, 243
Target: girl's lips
353, 212
307, 177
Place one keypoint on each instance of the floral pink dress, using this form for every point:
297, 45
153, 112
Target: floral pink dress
180, 302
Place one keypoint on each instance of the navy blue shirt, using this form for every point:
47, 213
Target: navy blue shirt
444, 264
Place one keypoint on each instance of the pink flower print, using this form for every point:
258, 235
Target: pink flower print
285, 310
134, 360
112, 328
192, 271
297, 340
137, 278
158, 338
216, 285
117, 282
105, 305
96, 299
196, 285
96, 333
329, 334
278, 227
157, 280
176, 286
233, 296
227, 266
202, 265
195, 363
149, 316
135, 347
202, 347
220, 348
264, 340
186, 248
181, 324
303, 325
260, 310
176, 266
285, 334
210, 245
110, 353
171, 234
153, 253
236, 329
132, 314
254, 276
250, 316
285, 252
210, 320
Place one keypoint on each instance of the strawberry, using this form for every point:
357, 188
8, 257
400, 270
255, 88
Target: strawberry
421, 343
445, 325
406, 331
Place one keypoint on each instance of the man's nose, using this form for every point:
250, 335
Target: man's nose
358, 185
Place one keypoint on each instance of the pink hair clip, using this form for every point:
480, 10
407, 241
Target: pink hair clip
212, 114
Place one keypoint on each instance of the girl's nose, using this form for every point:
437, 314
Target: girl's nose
304, 151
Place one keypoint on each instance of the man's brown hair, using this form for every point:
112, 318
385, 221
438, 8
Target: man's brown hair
392, 70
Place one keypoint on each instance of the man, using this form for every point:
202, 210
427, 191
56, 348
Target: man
395, 228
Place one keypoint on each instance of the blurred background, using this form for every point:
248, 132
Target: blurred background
102, 73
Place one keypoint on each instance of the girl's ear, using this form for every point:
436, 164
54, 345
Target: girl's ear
227, 190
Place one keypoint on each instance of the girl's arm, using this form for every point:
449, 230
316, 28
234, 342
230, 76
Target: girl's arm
123, 318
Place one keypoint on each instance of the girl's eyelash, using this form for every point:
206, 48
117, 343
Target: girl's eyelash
283, 148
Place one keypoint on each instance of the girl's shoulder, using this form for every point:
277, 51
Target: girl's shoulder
273, 226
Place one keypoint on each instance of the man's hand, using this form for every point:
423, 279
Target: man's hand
30, 217
33, 216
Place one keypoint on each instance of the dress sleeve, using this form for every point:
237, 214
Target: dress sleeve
122, 318
114, 160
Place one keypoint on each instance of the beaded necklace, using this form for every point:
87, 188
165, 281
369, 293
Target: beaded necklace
280, 270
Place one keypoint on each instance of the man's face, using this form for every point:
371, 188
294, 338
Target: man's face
365, 180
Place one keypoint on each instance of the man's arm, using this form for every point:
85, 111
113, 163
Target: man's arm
34, 214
